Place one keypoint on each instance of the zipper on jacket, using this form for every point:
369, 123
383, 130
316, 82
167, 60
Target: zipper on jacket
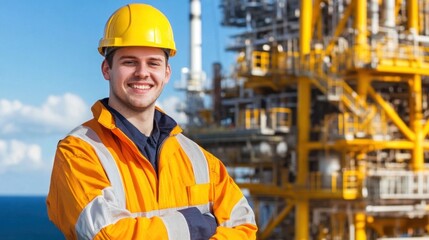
158, 154
118, 132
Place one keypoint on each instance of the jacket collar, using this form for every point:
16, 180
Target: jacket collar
105, 118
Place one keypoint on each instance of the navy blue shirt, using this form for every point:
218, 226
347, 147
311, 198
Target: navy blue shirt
147, 145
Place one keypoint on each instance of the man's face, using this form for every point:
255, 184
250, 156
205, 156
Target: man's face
137, 77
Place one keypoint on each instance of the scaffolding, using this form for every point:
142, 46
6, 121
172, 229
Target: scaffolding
324, 120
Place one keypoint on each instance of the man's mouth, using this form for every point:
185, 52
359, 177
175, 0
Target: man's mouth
139, 86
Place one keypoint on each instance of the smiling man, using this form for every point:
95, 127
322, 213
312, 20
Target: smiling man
130, 173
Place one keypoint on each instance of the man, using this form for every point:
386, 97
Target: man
129, 173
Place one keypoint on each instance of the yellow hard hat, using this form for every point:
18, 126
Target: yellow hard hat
138, 24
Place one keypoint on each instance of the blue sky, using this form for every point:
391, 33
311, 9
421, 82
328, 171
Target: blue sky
50, 76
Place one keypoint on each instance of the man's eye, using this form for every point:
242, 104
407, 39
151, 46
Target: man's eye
129, 63
154, 63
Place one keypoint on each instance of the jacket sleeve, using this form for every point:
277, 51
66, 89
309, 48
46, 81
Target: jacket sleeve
233, 213
82, 205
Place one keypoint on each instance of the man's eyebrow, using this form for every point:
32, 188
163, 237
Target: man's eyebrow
126, 56
156, 59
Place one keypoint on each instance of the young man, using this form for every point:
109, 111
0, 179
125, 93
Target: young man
129, 173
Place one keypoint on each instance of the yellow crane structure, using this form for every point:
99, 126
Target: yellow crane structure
324, 119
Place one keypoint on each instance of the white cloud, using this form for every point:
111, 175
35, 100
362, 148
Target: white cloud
17, 154
58, 114
171, 106
21, 125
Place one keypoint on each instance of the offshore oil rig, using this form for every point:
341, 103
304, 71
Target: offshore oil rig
324, 119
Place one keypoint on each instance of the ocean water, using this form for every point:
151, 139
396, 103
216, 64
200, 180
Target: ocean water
25, 217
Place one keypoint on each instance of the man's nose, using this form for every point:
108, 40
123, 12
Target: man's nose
141, 70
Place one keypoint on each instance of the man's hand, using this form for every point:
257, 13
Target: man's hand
201, 226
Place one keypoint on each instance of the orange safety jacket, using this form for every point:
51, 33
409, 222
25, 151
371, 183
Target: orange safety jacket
102, 187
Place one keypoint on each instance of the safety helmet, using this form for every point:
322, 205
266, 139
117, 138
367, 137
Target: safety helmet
138, 24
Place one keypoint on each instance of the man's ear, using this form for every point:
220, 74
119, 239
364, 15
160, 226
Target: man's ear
105, 70
167, 73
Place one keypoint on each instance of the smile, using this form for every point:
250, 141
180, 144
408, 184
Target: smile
143, 87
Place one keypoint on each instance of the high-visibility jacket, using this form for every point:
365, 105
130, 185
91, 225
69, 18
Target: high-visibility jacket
102, 187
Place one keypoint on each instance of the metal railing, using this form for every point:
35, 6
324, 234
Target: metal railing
398, 184
278, 119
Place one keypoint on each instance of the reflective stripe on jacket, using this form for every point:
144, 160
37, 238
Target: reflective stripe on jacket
102, 187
